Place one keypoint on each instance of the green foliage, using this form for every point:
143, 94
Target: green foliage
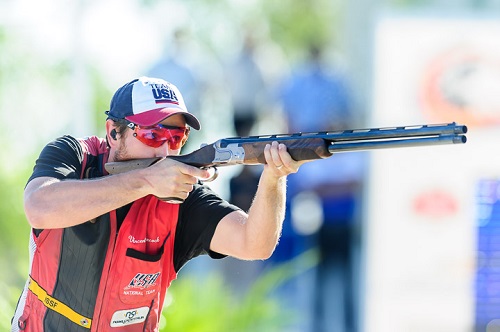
14, 232
406, 4
100, 100
297, 24
292, 24
208, 305
14, 228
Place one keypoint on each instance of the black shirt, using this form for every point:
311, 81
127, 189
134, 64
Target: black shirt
199, 214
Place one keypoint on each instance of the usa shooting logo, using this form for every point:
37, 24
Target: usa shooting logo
143, 284
163, 94
144, 280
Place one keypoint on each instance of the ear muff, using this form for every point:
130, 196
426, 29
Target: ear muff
112, 133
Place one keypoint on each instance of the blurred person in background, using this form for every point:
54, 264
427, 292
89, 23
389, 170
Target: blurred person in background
247, 90
248, 93
105, 248
247, 87
316, 98
177, 66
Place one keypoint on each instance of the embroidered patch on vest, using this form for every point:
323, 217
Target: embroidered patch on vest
143, 280
129, 317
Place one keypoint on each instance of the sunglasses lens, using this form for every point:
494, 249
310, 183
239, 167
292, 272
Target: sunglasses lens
157, 136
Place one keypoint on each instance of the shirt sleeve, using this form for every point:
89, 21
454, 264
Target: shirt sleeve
199, 216
60, 159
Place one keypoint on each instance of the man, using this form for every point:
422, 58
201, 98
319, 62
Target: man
104, 249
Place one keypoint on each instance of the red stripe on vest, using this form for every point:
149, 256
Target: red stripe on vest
44, 270
141, 268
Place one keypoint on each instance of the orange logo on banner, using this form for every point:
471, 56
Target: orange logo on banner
462, 85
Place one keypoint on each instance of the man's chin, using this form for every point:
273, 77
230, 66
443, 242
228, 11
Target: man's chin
120, 155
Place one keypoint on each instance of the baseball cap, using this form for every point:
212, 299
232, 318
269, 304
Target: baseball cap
147, 101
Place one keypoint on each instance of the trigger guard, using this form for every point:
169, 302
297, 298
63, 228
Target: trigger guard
214, 175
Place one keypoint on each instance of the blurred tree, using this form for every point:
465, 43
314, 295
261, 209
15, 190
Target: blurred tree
14, 232
29, 127
299, 23
407, 3
291, 24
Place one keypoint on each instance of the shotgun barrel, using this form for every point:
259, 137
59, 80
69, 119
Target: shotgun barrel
308, 146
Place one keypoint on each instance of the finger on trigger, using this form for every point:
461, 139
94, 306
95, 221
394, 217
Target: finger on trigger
210, 174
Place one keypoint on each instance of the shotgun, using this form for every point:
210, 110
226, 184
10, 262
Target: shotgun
306, 146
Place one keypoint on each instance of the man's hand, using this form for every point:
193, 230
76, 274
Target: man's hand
279, 161
172, 179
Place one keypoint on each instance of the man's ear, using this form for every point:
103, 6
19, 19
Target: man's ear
111, 133
188, 130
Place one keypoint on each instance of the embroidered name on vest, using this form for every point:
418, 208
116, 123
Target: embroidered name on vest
132, 239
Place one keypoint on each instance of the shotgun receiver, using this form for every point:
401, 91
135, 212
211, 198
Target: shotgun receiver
307, 146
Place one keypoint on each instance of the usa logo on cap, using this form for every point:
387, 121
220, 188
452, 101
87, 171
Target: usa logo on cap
147, 101
164, 94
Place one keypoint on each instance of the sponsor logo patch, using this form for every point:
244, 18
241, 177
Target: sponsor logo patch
129, 317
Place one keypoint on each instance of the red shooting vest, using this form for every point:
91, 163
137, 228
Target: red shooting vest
131, 295
137, 272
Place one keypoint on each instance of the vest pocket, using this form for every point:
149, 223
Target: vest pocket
140, 277
144, 257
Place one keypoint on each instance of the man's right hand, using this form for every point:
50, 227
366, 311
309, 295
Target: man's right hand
170, 179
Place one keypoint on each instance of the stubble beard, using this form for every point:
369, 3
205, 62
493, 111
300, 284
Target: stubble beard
121, 153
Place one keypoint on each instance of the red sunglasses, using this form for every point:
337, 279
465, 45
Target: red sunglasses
155, 136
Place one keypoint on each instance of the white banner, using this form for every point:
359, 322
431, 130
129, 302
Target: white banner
421, 217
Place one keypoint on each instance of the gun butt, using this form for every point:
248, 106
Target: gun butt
118, 167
